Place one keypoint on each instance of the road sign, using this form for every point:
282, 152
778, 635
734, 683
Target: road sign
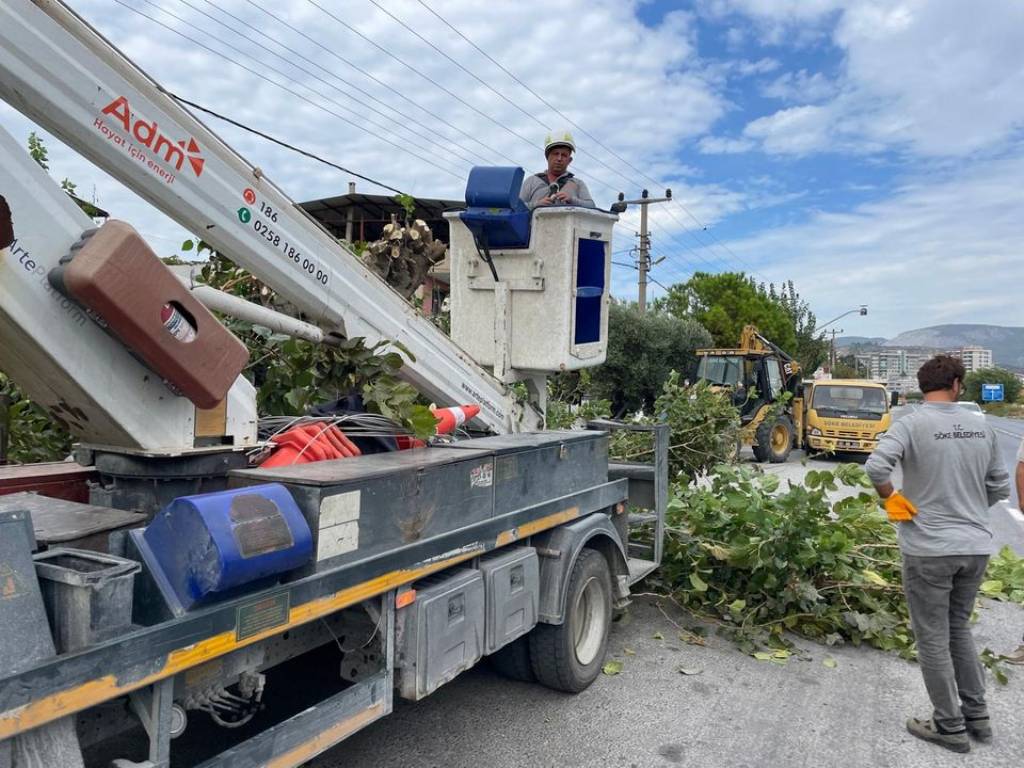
992, 393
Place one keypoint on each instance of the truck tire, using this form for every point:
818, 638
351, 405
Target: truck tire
774, 440
569, 656
513, 660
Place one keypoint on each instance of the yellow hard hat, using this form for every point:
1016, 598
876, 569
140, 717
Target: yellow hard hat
558, 139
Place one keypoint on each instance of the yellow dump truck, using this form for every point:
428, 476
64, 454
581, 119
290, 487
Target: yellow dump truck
846, 415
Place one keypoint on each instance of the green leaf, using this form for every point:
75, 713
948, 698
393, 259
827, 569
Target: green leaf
698, 583
874, 578
188, 245
762, 655
612, 667
689, 670
658, 636
991, 588
629, 651
830, 663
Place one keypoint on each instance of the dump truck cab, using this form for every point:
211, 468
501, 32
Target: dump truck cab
845, 414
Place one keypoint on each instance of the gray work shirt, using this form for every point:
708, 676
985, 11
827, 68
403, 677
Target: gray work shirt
536, 187
952, 473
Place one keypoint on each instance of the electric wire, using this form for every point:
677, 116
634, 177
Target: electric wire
453, 95
388, 87
480, 80
403, 126
285, 88
411, 68
493, 89
288, 78
703, 227
280, 143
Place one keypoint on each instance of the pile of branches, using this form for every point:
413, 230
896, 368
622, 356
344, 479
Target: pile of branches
760, 560
404, 255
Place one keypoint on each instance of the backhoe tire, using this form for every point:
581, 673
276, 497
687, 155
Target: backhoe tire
569, 656
774, 440
513, 660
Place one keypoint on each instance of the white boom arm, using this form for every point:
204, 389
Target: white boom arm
62, 74
84, 377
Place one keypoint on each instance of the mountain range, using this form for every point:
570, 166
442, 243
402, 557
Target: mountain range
1006, 342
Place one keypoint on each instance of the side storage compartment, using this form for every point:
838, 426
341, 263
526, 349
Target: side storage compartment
442, 633
512, 586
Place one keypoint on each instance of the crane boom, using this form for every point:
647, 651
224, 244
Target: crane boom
62, 74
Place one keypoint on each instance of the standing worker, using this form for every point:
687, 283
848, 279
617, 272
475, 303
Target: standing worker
952, 474
556, 186
1017, 657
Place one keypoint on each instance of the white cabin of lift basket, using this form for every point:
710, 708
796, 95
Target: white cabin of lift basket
548, 309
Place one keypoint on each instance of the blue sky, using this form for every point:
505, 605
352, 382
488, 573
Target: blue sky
869, 151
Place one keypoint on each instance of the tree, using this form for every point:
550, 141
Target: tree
974, 380
846, 368
811, 348
726, 302
643, 348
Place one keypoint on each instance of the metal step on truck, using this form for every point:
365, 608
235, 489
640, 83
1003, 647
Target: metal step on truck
167, 601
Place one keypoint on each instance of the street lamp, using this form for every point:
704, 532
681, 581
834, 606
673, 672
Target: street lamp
861, 310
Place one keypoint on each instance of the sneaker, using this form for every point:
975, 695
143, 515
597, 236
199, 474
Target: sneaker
979, 728
927, 730
1017, 657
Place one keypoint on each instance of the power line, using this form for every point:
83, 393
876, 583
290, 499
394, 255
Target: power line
582, 130
389, 88
292, 51
284, 144
285, 88
411, 68
456, 96
530, 90
459, 65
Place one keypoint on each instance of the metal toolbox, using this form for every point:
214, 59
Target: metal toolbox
512, 589
368, 505
442, 633
534, 467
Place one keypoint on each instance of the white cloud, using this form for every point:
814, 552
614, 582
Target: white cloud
940, 78
940, 249
720, 145
944, 77
800, 86
762, 66
641, 91
793, 131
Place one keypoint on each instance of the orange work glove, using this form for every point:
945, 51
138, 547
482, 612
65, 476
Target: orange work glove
899, 508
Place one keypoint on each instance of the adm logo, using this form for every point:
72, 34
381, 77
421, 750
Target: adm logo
149, 135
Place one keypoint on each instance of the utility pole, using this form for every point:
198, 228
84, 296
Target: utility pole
644, 257
832, 350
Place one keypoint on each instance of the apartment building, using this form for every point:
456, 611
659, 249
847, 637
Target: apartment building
973, 358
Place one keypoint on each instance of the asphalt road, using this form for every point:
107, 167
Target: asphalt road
733, 712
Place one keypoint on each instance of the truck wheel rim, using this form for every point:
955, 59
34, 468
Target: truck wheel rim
779, 437
589, 614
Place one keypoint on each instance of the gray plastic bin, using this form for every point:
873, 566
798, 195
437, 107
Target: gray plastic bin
88, 595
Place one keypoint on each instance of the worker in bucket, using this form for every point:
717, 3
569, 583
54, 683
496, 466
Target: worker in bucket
952, 473
556, 186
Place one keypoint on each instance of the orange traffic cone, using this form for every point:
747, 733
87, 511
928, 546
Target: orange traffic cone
450, 418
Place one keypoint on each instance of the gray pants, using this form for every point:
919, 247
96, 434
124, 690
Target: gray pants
940, 594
